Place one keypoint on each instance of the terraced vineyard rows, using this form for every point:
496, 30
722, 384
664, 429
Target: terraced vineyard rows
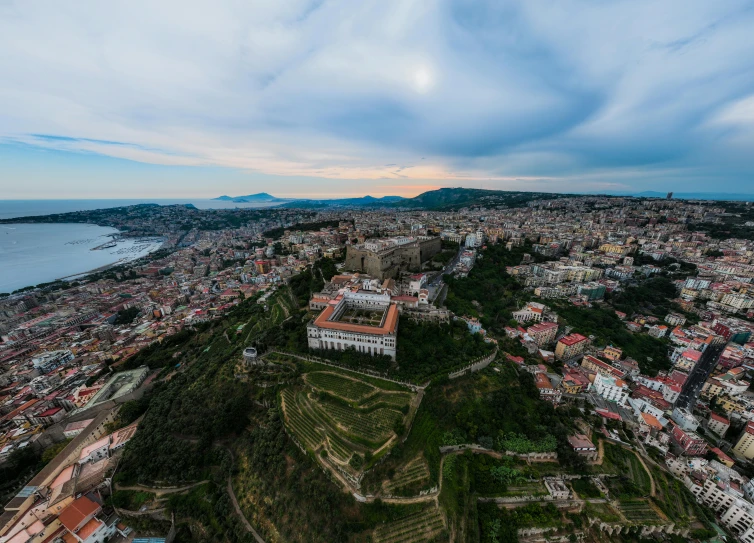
312, 424
349, 389
339, 449
638, 474
342, 427
375, 426
303, 425
398, 399
414, 472
277, 314
416, 528
639, 511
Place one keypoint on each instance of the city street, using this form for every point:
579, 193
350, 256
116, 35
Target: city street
693, 385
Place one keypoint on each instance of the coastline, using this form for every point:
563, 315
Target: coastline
42, 253
119, 262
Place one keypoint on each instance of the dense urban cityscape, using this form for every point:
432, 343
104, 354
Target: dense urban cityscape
552, 368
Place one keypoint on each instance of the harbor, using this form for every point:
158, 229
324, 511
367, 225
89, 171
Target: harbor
34, 254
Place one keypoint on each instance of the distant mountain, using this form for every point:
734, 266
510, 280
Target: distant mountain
260, 197
364, 201
455, 198
440, 199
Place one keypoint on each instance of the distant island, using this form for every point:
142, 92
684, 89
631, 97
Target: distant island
263, 197
260, 197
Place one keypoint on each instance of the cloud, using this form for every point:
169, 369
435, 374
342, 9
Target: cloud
526, 92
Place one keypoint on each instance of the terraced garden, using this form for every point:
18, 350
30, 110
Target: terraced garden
674, 499
416, 528
279, 308
345, 421
633, 480
396, 399
412, 474
638, 511
375, 426
341, 386
602, 511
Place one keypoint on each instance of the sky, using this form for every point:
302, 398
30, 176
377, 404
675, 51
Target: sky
328, 98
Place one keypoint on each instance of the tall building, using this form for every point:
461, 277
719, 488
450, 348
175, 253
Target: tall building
48, 361
610, 388
543, 333
571, 345
745, 445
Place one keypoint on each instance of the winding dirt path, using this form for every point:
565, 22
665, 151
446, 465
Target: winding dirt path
247, 525
159, 491
236, 506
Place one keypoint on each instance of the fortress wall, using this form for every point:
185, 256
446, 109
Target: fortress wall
388, 264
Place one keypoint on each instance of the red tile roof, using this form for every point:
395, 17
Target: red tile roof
692, 355
89, 528
572, 339
391, 321
73, 515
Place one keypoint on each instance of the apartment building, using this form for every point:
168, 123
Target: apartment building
718, 424
533, 312
734, 512
591, 363
689, 442
570, 346
610, 388
543, 333
745, 445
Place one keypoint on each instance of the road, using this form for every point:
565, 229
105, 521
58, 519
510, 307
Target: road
693, 385
448, 267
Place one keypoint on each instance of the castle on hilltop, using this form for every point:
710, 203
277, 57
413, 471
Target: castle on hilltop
386, 258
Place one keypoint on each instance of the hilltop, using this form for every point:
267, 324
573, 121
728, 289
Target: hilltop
439, 199
455, 198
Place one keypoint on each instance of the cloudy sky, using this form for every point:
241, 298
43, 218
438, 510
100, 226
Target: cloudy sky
346, 97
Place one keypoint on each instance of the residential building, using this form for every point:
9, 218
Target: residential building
718, 424
48, 361
674, 319
533, 312
610, 388
575, 381
546, 390
543, 333
612, 353
685, 419
591, 363
734, 512
582, 445
689, 442
592, 291
570, 346
745, 445
82, 519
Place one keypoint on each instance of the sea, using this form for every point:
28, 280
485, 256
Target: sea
31, 254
